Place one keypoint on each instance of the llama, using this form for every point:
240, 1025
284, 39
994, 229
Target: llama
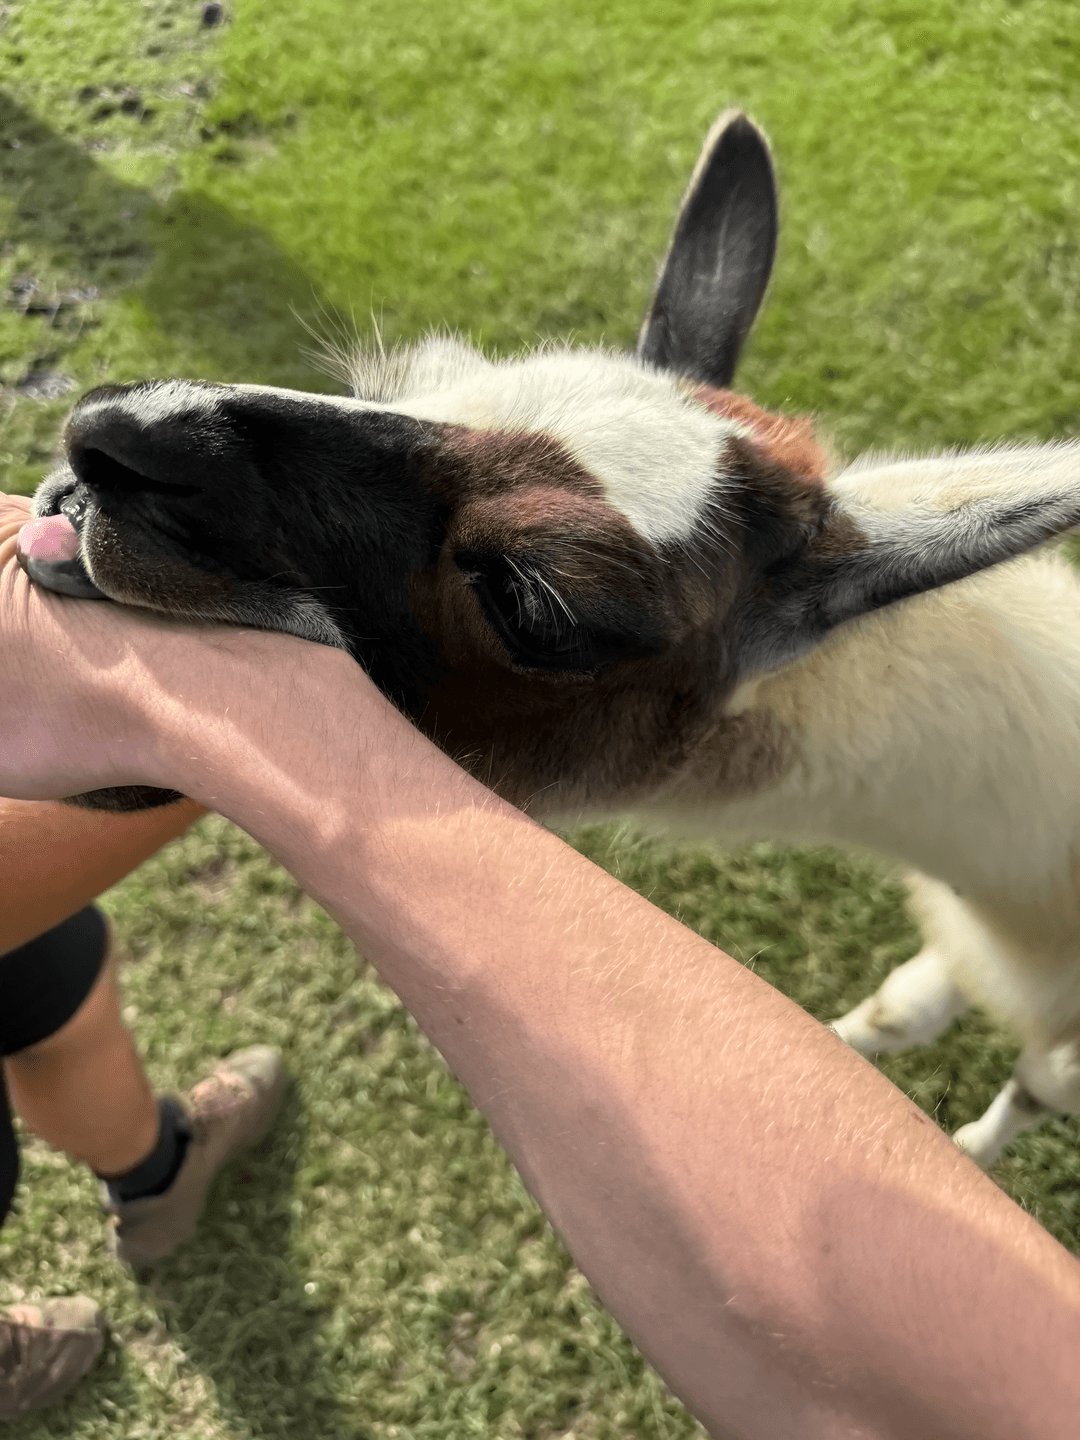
605, 584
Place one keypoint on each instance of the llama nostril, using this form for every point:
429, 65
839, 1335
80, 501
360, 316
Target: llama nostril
101, 471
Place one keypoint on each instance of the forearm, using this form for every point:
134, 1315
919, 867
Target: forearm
790, 1241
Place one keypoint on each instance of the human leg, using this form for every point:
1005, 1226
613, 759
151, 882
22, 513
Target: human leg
55, 859
79, 1083
76, 1077
46, 1347
61, 1008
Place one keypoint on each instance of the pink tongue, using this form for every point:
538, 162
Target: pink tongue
51, 540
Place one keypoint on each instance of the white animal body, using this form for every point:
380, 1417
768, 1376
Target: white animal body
944, 732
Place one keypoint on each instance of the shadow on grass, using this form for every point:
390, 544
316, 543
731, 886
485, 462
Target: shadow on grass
235, 1303
220, 292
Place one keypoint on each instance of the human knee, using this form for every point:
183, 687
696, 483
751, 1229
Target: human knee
95, 1025
55, 988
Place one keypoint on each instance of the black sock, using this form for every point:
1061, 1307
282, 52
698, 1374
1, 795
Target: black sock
156, 1173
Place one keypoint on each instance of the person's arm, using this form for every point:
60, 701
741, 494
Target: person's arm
790, 1241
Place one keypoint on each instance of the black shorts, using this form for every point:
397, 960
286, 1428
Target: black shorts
42, 985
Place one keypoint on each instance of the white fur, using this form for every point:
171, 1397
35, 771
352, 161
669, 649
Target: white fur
982, 483
984, 1139
943, 481
913, 1007
945, 732
337, 402
941, 731
150, 404
388, 376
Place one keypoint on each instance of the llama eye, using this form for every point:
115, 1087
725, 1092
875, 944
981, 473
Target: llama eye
534, 622
541, 628
530, 602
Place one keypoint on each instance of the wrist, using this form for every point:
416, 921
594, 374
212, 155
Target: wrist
248, 723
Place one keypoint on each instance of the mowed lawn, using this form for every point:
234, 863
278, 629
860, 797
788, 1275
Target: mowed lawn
181, 200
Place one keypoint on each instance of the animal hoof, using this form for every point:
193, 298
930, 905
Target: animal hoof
976, 1146
855, 1029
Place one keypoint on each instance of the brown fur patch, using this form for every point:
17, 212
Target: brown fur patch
787, 439
737, 756
510, 517
474, 464
643, 731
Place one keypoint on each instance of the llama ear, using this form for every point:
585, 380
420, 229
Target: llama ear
542, 627
721, 255
815, 559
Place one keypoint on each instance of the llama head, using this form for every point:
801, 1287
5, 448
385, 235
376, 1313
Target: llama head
491, 538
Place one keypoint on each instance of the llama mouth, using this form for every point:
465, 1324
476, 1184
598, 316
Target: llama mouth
50, 551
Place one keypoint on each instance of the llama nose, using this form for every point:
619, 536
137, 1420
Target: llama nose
119, 443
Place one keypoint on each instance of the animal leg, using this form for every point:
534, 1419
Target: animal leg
1046, 1082
1012, 1111
913, 1006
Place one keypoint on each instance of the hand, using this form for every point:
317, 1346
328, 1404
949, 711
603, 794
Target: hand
96, 694
66, 719
14, 513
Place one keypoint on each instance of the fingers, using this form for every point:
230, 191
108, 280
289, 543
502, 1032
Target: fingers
48, 702
14, 513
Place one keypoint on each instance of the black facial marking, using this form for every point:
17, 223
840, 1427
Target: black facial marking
288, 491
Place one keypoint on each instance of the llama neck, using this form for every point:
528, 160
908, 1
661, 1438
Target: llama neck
944, 731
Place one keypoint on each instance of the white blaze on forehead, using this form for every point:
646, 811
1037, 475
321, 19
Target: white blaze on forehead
656, 452
309, 397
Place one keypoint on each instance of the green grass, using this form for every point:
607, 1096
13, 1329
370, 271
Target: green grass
175, 200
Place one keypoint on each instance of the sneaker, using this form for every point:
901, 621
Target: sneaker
230, 1110
45, 1349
